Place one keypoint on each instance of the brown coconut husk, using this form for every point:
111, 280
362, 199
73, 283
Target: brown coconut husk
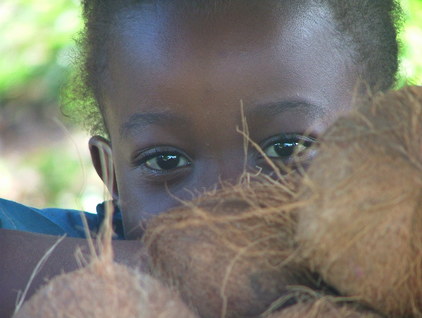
229, 252
323, 308
363, 230
104, 290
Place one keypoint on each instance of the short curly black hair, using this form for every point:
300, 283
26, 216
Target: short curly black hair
369, 27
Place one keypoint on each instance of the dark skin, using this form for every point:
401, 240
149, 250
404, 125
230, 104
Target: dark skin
172, 104
176, 90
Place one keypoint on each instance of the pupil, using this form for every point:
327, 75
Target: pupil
167, 162
285, 149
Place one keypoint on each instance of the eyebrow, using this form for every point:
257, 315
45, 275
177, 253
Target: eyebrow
275, 108
141, 120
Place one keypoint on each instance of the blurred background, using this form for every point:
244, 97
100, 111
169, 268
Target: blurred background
44, 159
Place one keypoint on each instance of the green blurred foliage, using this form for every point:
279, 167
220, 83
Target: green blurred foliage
36, 46
57, 169
411, 38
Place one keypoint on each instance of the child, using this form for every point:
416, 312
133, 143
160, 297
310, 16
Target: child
165, 81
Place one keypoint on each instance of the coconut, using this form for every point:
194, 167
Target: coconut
362, 230
104, 289
228, 253
323, 308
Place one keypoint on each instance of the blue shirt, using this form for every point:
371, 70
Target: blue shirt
15, 216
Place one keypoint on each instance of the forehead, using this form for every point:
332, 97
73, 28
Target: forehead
241, 49
165, 35
160, 28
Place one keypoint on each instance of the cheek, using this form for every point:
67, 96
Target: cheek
139, 202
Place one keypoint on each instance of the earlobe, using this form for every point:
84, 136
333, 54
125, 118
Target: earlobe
102, 159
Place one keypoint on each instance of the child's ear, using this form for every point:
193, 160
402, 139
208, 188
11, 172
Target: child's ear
102, 159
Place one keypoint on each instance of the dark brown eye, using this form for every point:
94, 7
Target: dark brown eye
286, 147
166, 161
282, 149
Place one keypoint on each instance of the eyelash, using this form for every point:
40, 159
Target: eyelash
292, 141
149, 160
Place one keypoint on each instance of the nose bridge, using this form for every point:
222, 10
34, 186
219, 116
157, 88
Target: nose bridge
231, 170
226, 169
222, 157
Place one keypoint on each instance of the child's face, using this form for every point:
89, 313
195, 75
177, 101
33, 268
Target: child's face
176, 82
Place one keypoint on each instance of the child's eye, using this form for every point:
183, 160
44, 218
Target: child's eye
162, 161
167, 161
284, 147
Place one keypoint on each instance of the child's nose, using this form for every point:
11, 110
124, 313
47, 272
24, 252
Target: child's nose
214, 175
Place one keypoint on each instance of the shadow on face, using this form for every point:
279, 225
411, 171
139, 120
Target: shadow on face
177, 78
